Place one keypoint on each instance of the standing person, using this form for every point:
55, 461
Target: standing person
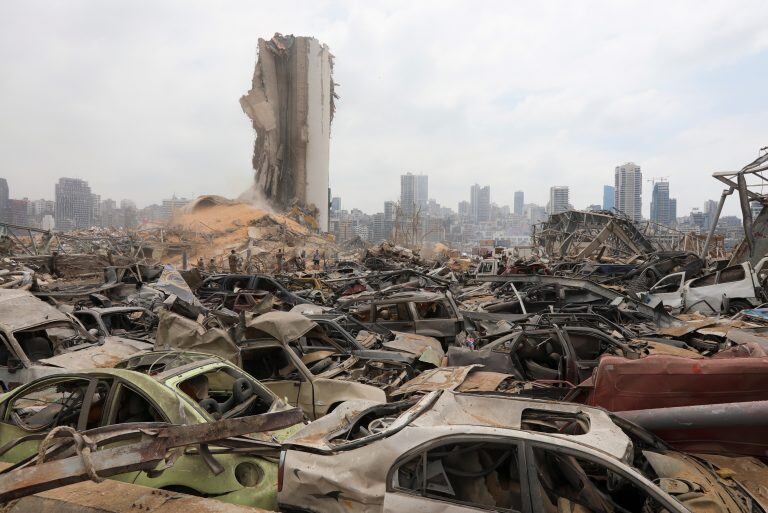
316, 259
232, 258
201, 264
279, 258
212, 265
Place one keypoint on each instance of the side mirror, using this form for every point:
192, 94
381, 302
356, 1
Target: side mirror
14, 364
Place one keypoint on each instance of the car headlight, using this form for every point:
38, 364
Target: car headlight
248, 474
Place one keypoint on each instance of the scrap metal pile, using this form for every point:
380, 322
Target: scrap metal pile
608, 376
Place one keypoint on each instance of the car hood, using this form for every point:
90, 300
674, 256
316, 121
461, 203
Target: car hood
704, 489
113, 350
427, 349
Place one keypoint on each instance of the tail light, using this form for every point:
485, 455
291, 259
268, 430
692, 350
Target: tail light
280, 471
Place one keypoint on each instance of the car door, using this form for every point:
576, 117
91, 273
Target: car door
395, 316
30, 412
434, 319
668, 290
450, 475
568, 480
294, 384
90, 322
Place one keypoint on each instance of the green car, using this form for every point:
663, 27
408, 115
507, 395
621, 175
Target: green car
175, 387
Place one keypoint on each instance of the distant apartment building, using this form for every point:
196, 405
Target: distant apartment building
463, 209
74, 204
518, 205
18, 212
673, 209
661, 204
480, 203
171, 206
710, 209
558, 199
628, 183
414, 193
609, 197
534, 213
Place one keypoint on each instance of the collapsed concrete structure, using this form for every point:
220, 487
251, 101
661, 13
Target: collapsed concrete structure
291, 105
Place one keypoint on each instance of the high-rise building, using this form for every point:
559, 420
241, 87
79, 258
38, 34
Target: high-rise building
628, 181
710, 209
558, 199
18, 212
673, 210
464, 209
609, 197
519, 202
414, 193
335, 205
480, 203
74, 204
661, 211
4, 197
172, 205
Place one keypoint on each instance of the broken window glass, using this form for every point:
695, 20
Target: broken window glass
566, 483
50, 405
478, 474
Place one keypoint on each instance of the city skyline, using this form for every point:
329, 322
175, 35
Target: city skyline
150, 126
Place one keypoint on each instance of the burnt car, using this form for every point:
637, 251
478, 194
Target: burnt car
226, 289
568, 353
376, 339
472, 378
430, 314
37, 340
280, 352
132, 322
468, 452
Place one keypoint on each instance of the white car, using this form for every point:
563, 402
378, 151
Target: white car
464, 452
730, 290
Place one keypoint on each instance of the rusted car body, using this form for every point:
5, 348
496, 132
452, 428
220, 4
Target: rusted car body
132, 322
472, 378
664, 381
317, 379
551, 353
37, 340
458, 452
424, 313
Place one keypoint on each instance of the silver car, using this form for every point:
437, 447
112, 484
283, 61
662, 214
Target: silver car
464, 452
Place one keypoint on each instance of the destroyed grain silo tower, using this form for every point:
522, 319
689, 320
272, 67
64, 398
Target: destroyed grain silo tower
291, 105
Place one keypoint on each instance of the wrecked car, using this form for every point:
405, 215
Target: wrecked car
729, 290
551, 353
38, 340
356, 336
472, 378
424, 313
315, 378
131, 322
224, 288
475, 452
176, 388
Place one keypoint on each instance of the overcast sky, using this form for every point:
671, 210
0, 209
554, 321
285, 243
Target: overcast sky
140, 98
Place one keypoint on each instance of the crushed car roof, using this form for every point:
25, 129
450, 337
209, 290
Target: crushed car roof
283, 326
448, 408
20, 309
